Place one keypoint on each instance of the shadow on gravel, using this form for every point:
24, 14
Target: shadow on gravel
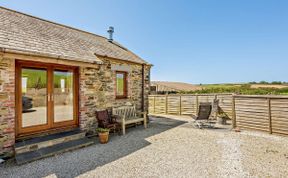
216, 127
77, 162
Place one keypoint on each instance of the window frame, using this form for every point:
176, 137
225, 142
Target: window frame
125, 84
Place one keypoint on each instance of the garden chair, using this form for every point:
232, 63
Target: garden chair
107, 120
203, 117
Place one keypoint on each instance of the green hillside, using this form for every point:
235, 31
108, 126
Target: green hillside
246, 89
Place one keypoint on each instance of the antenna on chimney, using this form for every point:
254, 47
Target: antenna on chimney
110, 31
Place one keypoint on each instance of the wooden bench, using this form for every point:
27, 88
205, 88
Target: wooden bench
129, 115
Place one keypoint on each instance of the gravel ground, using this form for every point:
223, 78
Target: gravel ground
168, 148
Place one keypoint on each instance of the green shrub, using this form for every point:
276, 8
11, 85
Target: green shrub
276, 82
102, 130
263, 82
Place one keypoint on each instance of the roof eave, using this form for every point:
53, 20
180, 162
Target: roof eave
124, 60
39, 54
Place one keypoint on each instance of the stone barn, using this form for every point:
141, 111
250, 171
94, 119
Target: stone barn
54, 77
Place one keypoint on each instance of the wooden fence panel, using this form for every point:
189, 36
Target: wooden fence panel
184, 104
151, 104
160, 105
173, 105
263, 113
225, 104
206, 98
279, 116
188, 105
252, 113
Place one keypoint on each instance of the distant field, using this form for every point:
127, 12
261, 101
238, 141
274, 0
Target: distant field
268, 86
276, 86
249, 89
220, 85
238, 88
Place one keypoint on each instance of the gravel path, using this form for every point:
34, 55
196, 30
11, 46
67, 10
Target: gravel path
168, 148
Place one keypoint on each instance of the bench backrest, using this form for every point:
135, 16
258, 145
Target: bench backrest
127, 111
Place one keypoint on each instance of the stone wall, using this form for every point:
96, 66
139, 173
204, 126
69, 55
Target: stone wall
7, 106
96, 91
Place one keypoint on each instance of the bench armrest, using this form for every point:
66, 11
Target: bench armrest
122, 118
142, 113
144, 116
115, 118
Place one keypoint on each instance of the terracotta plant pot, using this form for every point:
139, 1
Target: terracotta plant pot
103, 137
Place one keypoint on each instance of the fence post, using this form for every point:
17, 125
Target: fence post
269, 115
233, 112
180, 105
166, 104
197, 104
154, 105
217, 107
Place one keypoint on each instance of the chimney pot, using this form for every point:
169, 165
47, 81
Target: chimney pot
110, 31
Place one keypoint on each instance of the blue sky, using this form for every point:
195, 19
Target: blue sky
207, 41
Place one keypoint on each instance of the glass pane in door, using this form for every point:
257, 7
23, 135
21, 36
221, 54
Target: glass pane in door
34, 97
63, 95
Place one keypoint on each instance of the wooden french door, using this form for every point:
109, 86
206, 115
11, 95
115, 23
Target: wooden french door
46, 97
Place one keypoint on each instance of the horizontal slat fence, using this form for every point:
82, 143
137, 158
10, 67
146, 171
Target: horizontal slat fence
263, 113
186, 104
252, 113
225, 104
279, 114
160, 107
173, 105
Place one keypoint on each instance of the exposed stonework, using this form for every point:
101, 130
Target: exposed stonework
96, 91
7, 106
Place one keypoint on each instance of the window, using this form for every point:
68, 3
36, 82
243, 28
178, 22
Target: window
121, 85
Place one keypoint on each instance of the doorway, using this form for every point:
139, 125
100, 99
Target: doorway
46, 97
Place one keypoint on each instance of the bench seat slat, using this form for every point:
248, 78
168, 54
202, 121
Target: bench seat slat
130, 115
131, 121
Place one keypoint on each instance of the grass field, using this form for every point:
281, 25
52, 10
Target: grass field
207, 86
249, 89
120, 86
37, 78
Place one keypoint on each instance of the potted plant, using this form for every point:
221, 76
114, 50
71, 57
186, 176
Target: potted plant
103, 134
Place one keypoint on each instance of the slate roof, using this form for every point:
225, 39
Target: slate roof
27, 34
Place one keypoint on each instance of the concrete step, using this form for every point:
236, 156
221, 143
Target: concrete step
27, 157
36, 143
